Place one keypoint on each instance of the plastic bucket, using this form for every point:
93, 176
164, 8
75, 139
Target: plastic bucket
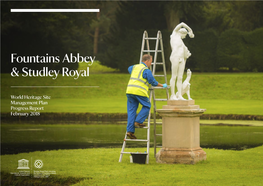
138, 158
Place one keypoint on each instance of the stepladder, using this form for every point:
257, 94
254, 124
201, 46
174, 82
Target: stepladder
158, 59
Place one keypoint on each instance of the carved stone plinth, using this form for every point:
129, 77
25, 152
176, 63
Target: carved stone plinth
180, 133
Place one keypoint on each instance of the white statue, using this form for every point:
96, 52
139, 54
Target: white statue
186, 86
178, 58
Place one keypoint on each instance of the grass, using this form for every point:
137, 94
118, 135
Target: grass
118, 105
96, 67
218, 93
101, 166
10, 179
243, 86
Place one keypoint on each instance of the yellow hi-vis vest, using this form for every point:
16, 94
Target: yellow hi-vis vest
137, 84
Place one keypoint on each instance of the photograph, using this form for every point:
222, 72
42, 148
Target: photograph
130, 92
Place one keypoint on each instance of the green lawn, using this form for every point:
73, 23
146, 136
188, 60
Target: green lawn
219, 93
204, 86
101, 167
118, 105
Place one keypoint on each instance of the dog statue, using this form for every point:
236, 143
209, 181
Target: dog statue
186, 85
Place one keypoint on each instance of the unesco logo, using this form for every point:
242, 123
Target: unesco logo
38, 164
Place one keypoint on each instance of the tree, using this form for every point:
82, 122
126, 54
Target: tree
242, 15
124, 41
186, 11
247, 15
102, 22
218, 15
42, 33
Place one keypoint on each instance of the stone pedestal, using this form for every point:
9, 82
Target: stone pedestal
180, 133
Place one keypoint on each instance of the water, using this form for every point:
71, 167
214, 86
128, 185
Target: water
28, 138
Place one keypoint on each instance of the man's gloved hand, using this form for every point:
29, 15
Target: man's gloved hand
164, 85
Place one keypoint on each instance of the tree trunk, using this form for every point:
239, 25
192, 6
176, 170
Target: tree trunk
96, 37
174, 19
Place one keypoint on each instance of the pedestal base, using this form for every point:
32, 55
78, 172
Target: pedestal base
181, 133
181, 156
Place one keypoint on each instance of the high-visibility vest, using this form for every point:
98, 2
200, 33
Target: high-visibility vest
137, 84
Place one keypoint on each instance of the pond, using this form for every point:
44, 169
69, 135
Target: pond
27, 138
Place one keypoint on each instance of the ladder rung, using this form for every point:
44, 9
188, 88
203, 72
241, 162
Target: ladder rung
158, 123
125, 152
151, 38
158, 135
131, 152
157, 63
159, 146
160, 99
152, 51
160, 87
135, 140
158, 75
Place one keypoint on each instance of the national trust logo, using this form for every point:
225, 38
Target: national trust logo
38, 164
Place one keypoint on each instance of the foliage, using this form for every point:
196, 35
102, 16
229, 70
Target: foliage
40, 33
96, 67
230, 49
203, 48
116, 32
241, 15
124, 41
241, 50
253, 50
125, 52
247, 15
183, 11
218, 15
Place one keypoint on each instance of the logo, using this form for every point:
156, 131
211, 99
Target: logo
38, 164
23, 164
34, 173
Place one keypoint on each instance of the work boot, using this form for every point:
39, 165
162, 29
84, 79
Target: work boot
139, 125
131, 135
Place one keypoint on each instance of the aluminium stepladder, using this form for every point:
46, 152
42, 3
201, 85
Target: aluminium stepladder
145, 42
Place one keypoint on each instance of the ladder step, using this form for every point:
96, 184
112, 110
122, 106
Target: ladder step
151, 50
158, 135
158, 123
159, 146
160, 87
158, 75
157, 63
125, 152
150, 38
135, 140
131, 152
142, 128
160, 99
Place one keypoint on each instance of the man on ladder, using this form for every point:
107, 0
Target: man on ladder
137, 92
